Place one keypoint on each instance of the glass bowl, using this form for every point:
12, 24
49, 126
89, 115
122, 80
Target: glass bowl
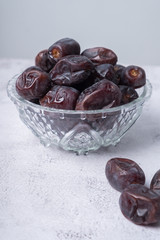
79, 131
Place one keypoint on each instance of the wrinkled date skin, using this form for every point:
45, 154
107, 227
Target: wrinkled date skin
106, 71
121, 172
133, 76
140, 204
129, 94
103, 94
71, 70
33, 83
94, 73
63, 47
60, 97
155, 182
100, 55
42, 60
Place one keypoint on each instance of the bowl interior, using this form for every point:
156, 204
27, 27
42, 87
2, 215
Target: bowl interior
79, 131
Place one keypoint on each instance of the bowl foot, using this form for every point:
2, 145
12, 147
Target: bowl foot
44, 142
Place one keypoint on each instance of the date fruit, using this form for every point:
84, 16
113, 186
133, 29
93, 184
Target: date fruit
103, 94
94, 73
121, 172
133, 76
129, 94
155, 182
100, 55
118, 72
140, 204
71, 70
42, 60
106, 71
33, 83
60, 97
63, 47
87, 83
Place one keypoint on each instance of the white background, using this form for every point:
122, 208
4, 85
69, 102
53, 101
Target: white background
130, 28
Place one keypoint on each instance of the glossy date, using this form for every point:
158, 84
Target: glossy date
62, 64
103, 94
133, 76
129, 94
155, 182
60, 97
118, 69
121, 172
140, 204
63, 47
100, 55
42, 60
33, 83
106, 71
71, 70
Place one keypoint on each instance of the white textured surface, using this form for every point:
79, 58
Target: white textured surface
50, 194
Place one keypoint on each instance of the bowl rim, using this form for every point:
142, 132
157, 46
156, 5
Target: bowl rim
16, 98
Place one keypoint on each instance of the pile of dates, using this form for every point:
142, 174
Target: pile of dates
65, 78
139, 204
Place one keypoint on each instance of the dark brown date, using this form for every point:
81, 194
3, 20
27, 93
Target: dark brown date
121, 172
33, 83
106, 71
140, 204
71, 70
133, 76
129, 94
36, 101
104, 125
42, 60
118, 72
63, 47
155, 182
100, 55
60, 97
87, 83
103, 94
